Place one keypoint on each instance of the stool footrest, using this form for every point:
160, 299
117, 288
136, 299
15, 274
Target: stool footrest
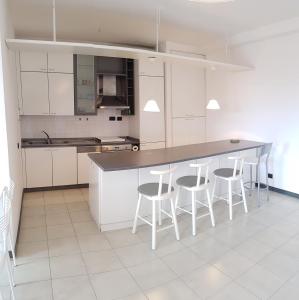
203, 204
165, 227
166, 213
185, 210
202, 216
144, 220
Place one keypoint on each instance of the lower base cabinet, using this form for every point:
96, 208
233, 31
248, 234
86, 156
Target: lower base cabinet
50, 166
84, 163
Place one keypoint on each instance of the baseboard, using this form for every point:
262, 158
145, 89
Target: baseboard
60, 187
283, 192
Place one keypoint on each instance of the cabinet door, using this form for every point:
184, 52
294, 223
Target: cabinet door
61, 94
38, 167
152, 124
64, 166
188, 131
150, 68
35, 93
84, 163
187, 90
60, 62
33, 61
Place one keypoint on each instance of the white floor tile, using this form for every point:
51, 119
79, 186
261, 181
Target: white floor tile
31, 251
77, 206
33, 211
105, 285
40, 290
183, 261
95, 242
60, 231
174, 290
233, 292
85, 228
101, 261
74, 288
135, 254
58, 219
138, 296
233, 264
63, 246
206, 281
56, 208
32, 271
80, 216
260, 282
122, 238
152, 274
65, 266
33, 222
33, 234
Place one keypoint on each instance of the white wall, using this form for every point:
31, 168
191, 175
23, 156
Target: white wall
262, 104
70, 126
11, 108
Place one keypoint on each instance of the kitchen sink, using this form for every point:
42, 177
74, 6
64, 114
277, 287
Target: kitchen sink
36, 142
60, 142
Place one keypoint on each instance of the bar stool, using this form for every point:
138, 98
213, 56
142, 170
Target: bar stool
231, 175
4, 232
196, 183
157, 192
262, 157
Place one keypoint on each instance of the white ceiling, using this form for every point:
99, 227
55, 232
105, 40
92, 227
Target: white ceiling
131, 21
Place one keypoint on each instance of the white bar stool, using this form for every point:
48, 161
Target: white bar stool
157, 192
263, 155
231, 175
196, 183
4, 231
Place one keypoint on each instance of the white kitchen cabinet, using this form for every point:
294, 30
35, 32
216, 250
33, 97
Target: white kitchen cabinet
150, 68
152, 146
188, 131
187, 90
152, 124
60, 62
84, 163
64, 165
38, 167
33, 61
35, 99
61, 94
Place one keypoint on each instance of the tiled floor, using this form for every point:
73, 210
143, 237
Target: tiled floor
61, 254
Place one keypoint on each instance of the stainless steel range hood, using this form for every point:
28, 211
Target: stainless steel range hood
112, 102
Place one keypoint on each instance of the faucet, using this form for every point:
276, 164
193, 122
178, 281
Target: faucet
48, 137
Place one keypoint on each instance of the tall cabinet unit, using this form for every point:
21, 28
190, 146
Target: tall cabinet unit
149, 85
46, 83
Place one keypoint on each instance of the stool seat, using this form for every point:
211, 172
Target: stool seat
152, 188
225, 172
251, 161
189, 181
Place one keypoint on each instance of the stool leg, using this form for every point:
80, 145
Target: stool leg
210, 208
136, 214
193, 214
244, 196
258, 184
177, 197
174, 220
230, 200
160, 212
12, 249
267, 180
251, 181
213, 190
154, 226
10, 276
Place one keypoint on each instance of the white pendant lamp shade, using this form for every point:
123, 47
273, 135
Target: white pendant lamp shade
151, 106
213, 104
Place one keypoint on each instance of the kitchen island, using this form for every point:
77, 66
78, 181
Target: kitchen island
114, 177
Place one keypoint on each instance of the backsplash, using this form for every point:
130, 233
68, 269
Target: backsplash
75, 126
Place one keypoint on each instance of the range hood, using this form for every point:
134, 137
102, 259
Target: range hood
112, 102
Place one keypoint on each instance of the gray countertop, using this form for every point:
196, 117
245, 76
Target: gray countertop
116, 161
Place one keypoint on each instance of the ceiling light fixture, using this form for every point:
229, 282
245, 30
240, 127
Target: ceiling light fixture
213, 105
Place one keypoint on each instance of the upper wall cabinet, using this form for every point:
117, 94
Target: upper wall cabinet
187, 90
61, 94
60, 63
33, 61
35, 99
150, 68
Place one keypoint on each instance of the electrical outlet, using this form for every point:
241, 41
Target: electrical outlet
270, 175
112, 118
119, 118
